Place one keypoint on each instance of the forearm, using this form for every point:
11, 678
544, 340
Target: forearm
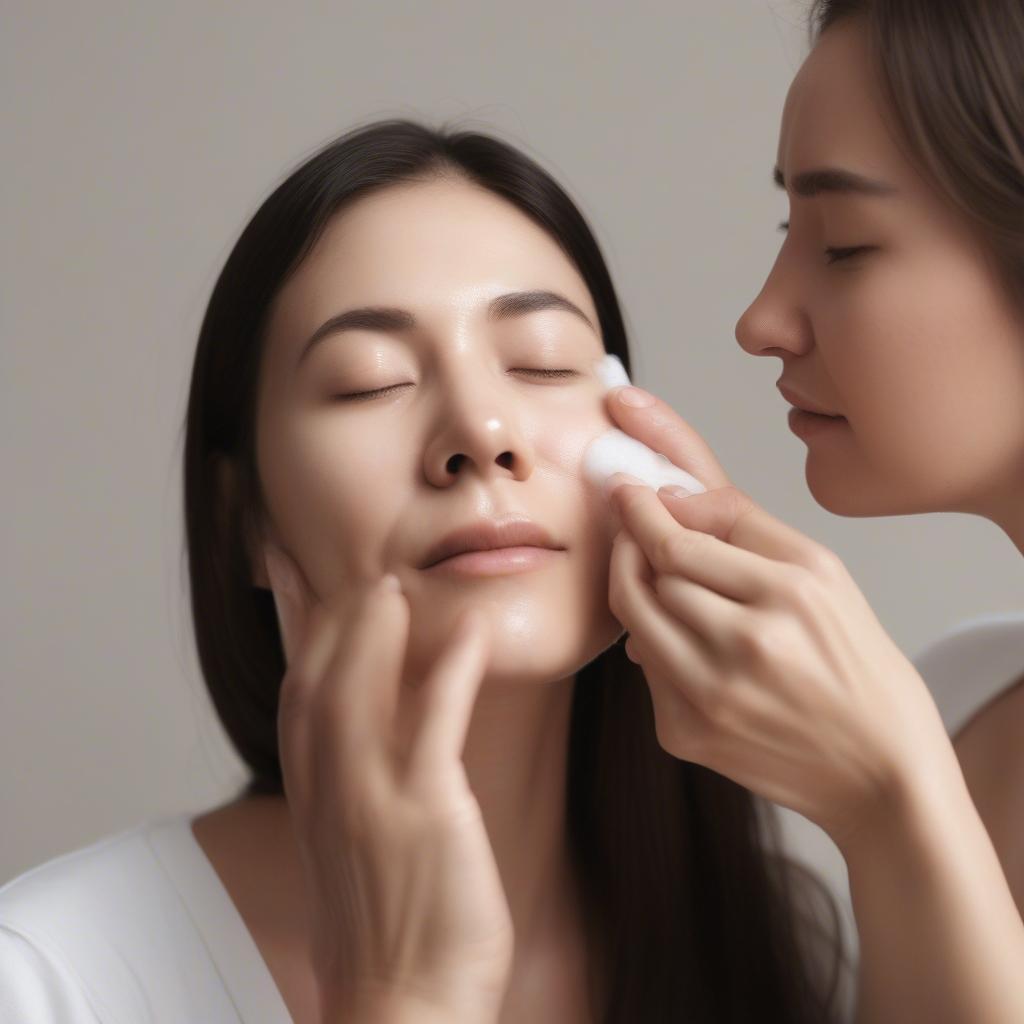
940, 936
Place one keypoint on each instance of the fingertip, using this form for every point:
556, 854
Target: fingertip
618, 480
633, 397
389, 583
673, 492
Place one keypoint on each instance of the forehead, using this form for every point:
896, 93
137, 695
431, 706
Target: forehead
434, 248
836, 114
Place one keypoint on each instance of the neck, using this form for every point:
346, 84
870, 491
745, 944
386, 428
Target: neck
516, 759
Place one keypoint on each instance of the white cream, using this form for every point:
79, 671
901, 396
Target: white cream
616, 452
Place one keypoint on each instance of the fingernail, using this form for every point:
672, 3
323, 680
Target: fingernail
391, 583
616, 479
636, 397
675, 491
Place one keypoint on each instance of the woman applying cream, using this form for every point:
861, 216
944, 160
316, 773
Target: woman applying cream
895, 305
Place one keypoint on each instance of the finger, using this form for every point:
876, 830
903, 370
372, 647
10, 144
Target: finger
682, 728
671, 548
714, 618
660, 427
677, 648
309, 637
734, 517
360, 690
448, 696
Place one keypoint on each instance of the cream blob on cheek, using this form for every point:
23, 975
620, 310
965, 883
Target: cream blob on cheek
616, 452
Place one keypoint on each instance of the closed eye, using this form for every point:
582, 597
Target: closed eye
836, 254
549, 373
362, 396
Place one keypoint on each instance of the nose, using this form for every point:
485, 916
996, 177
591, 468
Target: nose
776, 322
480, 433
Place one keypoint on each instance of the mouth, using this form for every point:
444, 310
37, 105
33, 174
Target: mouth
504, 541
803, 405
495, 561
810, 424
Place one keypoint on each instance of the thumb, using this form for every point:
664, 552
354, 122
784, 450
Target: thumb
714, 512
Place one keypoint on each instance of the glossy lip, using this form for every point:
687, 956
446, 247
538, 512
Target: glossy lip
510, 532
495, 561
799, 402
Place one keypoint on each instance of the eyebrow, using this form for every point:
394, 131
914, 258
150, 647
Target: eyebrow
834, 180
387, 318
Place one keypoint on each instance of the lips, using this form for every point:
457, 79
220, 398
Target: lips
488, 534
799, 402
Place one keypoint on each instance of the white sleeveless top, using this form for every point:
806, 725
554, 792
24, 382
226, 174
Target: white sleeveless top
972, 664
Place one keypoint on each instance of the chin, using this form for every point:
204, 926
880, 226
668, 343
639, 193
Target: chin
529, 645
863, 496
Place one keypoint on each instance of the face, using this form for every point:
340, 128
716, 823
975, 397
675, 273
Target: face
470, 409
884, 308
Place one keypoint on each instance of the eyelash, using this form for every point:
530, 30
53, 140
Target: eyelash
360, 396
837, 254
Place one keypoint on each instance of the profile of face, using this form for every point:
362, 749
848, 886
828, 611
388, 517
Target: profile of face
885, 309
461, 387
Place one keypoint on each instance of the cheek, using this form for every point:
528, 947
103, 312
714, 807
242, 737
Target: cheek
559, 441
332, 497
929, 363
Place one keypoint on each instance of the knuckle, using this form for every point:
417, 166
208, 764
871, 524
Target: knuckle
804, 589
758, 643
825, 563
670, 550
716, 705
737, 502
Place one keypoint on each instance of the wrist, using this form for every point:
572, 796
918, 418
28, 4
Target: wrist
918, 808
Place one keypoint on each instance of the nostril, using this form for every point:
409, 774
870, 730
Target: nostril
505, 460
452, 465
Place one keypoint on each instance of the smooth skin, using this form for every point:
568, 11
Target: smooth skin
408, 915
765, 661
371, 447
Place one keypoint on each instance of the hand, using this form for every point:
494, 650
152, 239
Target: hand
764, 660
401, 882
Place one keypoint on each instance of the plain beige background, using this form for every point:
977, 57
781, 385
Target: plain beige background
137, 139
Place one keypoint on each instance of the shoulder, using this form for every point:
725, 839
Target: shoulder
75, 885
55, 921
36, 984
89, 928
972, 664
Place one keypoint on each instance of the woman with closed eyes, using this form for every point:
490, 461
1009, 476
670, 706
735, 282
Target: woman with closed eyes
459, 807
471, 797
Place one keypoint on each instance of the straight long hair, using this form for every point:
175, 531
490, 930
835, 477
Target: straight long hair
691, 909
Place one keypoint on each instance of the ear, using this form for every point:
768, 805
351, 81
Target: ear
230, 512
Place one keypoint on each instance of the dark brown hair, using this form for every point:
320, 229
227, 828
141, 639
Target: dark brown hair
953, 71
693, 910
